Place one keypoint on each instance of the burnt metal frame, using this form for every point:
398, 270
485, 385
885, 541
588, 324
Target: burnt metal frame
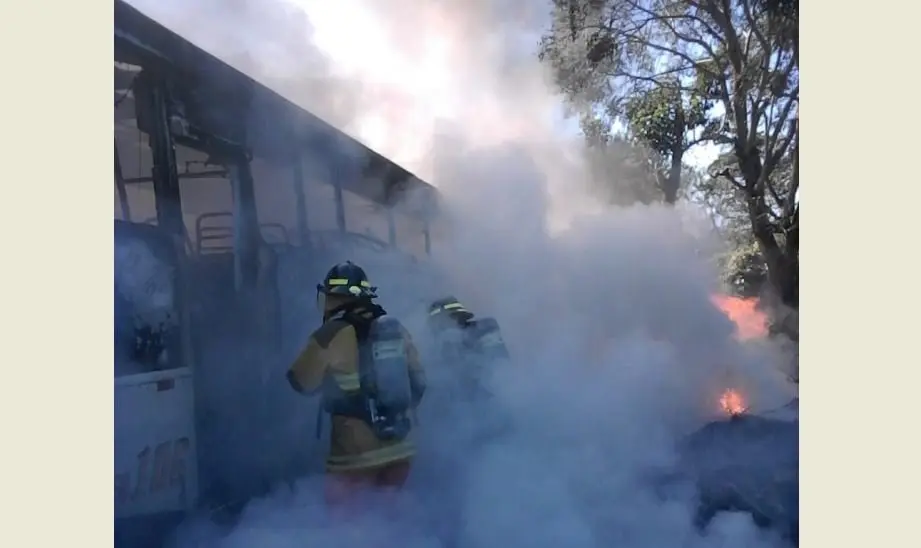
377, 178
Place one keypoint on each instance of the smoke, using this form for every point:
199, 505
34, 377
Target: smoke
617, 347
144, 280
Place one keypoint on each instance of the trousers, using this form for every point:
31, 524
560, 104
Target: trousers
346, 493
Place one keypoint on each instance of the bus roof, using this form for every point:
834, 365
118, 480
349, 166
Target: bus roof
238, 109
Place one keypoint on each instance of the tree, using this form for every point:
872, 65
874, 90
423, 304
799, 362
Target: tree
739, 259
666, 68
625, 172
661, 120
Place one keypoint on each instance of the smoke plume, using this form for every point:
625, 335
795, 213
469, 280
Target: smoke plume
617, 347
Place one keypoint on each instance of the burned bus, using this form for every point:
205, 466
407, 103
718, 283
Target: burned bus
230, 203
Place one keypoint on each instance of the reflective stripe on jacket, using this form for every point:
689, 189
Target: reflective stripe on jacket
333, 349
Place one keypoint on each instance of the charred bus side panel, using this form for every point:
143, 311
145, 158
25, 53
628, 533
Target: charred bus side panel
155, 454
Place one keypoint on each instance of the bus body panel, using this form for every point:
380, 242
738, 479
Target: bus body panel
155, 446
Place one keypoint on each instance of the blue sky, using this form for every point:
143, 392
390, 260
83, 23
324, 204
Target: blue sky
699, 157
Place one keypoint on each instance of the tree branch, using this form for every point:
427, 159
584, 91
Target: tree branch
664, 19
726, 174
781, 121
774, 154
655, 78
734, 51
695, 63
773, 192
790, 204
697, 140
753, 24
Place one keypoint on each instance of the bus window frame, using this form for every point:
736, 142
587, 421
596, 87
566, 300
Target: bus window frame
151, 117
392, 227
300, 201
340, 202
121, 188
336, 181
162, 247
427, 237
246, 230
152, 112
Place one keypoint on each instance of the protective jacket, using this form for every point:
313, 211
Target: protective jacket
467, 350
470, 349
331, 363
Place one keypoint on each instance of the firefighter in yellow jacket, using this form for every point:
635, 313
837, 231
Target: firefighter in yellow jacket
367, 371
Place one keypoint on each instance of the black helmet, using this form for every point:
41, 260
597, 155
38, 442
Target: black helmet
449, 307
347, 279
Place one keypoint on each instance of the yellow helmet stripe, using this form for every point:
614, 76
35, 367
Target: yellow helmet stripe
343, 281
452, 307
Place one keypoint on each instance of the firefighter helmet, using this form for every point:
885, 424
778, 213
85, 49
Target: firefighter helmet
449, 307
347, 279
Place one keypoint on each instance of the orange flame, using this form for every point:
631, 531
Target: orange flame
733, 403
751, 323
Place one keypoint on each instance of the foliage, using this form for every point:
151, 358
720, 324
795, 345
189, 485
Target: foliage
745, 270
675, 73
654, 116
628, 172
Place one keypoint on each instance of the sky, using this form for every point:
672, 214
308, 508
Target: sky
426, 82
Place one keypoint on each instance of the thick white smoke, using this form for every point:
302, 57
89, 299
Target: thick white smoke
617, 347
145, 281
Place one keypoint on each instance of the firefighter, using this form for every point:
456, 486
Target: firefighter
468, 351
366, 369
465, 416
468, 343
